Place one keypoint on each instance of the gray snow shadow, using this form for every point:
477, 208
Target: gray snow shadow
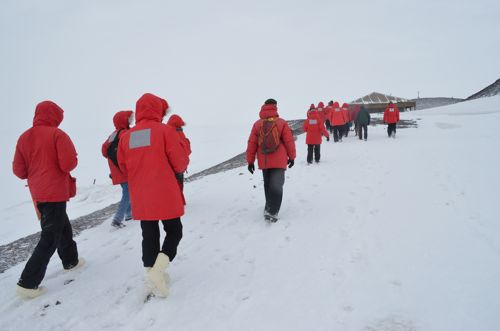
445, 126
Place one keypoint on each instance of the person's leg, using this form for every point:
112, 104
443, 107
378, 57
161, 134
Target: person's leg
66, 247
389, 130
393, 129
173, 229
310, 153
335, 133
317, 155
276, 182
51, 224
365, 128
265, 175
150, 242
123, 205
360, 131
128, 210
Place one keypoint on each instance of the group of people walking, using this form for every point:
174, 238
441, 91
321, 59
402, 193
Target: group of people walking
148, 160
322, 121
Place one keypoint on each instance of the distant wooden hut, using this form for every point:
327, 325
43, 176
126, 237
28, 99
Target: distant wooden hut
377, 102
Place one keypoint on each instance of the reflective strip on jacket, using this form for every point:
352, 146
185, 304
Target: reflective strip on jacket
150, 154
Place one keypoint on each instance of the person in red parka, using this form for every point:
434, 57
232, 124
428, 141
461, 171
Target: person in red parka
44, 156
321, 111
311, 108
354, 115
328, 114
391, 117
150, 154
176, 122
271, 140
347, 115
314, 129
122, 121
338, 120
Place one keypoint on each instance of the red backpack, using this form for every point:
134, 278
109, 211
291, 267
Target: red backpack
269, 136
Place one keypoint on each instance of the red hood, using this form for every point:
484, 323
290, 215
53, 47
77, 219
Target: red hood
120, 120
312, 106
48, 113
267, 111
150, 107
313, 113
336, 105
345, 106
176, 121
321, 105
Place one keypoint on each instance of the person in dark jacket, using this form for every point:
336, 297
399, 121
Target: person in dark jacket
44, 156
273, 164
363, 120
122, 121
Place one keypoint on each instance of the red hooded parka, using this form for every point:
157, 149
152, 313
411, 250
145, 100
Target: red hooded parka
391, 114
150, 154
45, 155
177, 123
286, 148
347, 114
321, 111
314, 128
337, 115
121, 122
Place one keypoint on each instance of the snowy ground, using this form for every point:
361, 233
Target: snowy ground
382, 235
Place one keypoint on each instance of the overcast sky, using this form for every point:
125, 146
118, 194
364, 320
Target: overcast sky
222, 59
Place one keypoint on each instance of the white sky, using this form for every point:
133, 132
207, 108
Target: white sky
217, 60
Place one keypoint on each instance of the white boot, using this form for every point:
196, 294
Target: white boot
157, 277
29, 293
81, 263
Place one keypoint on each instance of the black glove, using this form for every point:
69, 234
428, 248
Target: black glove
291, 163
251, 168
180, 177
327, 138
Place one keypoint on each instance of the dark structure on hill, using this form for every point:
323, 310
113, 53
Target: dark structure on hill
377, 102
490, 91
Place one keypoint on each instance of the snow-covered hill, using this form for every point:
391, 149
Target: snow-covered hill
489, 91
425, 103
381, 235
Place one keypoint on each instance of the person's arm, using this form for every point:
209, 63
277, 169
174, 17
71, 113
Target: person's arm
176, 155
252, 145
66, 153
19, 166
287, 138
121, 156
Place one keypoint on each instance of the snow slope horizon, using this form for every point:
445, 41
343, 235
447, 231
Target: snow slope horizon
381, 235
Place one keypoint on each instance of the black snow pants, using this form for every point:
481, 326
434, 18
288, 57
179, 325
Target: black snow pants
313, 149
362, 128
391, 128
151, 239
337, 132
57, 234
274, 179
